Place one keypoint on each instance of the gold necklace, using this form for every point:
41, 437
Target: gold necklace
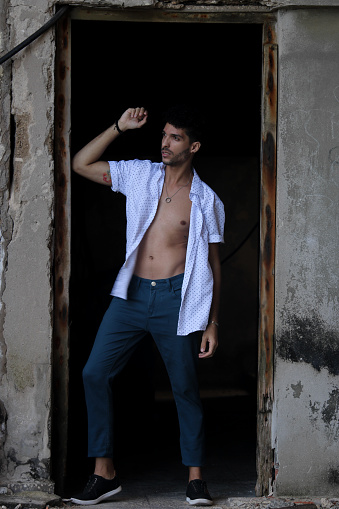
168, 199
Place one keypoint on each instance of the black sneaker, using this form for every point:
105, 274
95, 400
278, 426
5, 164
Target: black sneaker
197, 493
97, 489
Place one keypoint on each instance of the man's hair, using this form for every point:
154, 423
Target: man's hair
183, 116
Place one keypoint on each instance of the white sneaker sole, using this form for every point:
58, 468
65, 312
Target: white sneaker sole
199, 501
105, 496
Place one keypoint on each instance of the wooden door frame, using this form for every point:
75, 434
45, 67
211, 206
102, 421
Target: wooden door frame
265, 394
62, 253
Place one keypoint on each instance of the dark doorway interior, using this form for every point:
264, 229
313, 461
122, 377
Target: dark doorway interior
116, 65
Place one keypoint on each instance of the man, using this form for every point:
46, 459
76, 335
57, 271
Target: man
169, 286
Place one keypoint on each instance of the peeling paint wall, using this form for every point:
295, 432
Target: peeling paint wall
306, 416
5, 222
27, 236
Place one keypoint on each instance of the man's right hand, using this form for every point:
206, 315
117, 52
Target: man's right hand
133, 118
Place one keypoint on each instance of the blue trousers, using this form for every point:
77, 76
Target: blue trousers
152, 306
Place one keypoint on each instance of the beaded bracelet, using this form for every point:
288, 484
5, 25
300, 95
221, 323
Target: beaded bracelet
118, 128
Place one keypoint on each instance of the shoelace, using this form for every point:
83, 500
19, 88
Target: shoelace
91, 483
200, 486
196, 486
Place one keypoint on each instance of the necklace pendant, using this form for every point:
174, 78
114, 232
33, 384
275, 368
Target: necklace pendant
168, 199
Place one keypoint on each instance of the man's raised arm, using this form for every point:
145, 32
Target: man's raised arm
86, 161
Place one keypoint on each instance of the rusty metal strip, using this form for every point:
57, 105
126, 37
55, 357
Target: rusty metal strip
198, 14
265, 462
61, 253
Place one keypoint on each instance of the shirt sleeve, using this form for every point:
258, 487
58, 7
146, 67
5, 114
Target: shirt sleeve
120, 174
128, 176
215, 219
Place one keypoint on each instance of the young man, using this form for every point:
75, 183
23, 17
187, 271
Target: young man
169, 286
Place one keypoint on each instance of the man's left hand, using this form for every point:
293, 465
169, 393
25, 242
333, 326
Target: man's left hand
209, 342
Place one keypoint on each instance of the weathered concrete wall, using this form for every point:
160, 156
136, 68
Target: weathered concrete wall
26, 279
5, 223
306, 431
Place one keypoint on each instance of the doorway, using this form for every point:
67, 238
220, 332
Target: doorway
218, 66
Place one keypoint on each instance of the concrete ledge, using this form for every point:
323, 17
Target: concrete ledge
42, 500
283, 503
29, 499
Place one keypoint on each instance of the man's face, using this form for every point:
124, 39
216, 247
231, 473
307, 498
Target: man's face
176, 148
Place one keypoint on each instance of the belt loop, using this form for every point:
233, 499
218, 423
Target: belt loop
137, 281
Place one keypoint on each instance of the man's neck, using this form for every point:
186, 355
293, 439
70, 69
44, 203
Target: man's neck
178, 174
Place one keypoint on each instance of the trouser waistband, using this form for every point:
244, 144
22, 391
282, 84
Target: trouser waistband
171, 282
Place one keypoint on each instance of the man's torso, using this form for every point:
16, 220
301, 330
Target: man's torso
162, 251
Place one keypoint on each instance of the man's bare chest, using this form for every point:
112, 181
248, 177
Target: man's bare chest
172, 219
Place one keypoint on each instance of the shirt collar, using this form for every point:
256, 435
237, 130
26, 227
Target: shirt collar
196, 187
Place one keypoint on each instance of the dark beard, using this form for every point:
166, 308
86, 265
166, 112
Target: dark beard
179, 158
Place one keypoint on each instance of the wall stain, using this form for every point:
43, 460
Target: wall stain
39, 468
21, 371
333, 476
297, 389
308, 339
3, 433
328, 413
330, 409
21, 124
315, 409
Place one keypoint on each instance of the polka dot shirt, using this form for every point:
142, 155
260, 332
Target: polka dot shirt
142, 182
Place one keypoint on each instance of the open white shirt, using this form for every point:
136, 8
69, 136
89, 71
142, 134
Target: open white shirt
142, 182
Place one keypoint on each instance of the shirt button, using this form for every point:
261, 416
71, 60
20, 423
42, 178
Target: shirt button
153, 283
